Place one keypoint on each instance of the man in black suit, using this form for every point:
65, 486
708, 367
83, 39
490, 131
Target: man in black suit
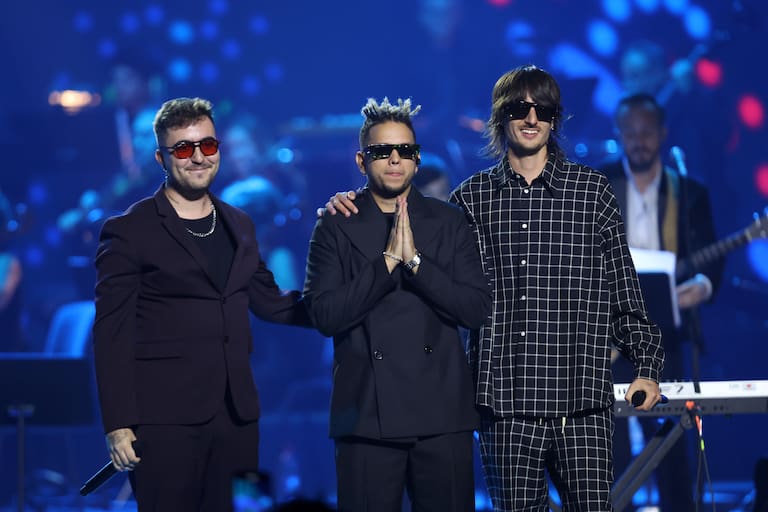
392, 285
177, 274
648, 193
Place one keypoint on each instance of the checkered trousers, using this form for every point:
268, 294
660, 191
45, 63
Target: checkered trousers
576, 452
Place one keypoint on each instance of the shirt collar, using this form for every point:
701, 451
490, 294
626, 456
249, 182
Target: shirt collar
552, 176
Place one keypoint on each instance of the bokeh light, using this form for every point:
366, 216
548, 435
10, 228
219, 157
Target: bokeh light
602, 38
83, 22
617, 10
181, 32
751, 111
761, 179
709, 72
757, 252
697, 23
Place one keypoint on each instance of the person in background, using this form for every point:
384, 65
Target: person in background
433, 179
648, 193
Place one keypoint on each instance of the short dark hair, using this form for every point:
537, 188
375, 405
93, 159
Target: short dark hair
513, 86
640, 100
377, 113
180, 113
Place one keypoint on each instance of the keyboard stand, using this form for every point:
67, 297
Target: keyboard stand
644, 464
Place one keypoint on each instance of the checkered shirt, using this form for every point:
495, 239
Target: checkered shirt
565, 289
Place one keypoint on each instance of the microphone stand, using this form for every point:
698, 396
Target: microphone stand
692, 322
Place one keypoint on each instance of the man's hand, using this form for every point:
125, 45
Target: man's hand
120, 450
341, 202
652, 393
694, 291
393, 254
409, 249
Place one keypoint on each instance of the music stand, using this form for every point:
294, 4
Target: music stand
43, 389
656, 273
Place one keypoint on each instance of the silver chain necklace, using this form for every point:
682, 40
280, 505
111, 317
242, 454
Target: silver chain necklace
210, 231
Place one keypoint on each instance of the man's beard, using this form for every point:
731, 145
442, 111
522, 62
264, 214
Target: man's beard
640, 165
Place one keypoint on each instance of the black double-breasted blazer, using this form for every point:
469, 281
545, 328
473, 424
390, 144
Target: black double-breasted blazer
167, 340
399, 367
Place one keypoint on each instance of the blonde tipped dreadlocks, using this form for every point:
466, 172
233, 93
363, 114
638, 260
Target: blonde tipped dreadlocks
377, 113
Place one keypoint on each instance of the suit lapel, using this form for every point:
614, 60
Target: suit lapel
368, 231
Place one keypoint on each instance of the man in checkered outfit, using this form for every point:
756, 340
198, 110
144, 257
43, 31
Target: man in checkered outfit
553, 245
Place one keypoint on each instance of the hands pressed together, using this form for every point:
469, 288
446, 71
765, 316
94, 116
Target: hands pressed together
400, 246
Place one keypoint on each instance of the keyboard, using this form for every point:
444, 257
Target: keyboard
716, 397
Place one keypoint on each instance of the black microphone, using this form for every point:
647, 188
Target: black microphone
678, 156
105, 473
638, 397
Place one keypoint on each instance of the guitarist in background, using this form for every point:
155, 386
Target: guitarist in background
648, 194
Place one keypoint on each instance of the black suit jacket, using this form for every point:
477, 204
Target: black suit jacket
167, 340
399, 365
698, 221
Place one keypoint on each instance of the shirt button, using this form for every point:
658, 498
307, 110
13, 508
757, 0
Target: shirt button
378, 355
427, 349
522, 262
523, 297
525, 226
525, 190
522, 333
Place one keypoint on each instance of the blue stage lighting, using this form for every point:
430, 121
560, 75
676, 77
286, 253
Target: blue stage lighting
179, 69
129, 23
758, 258
107, 48
209, 72
274, 72
697, 23
181, 32
209, 29
617, 10
218, 6
259, 25
250, 85
83, 22
648, 6
676, 6
602, 38
230, 49
519, 37
285, 155
154, 14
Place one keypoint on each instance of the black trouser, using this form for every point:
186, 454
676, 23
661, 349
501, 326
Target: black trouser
190, 467
437, 471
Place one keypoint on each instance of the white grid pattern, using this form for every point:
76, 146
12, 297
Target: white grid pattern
565, 289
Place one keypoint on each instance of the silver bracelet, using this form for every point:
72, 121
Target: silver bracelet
393, 256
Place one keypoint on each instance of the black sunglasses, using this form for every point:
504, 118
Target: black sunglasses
379, 151
520, 110
185, 148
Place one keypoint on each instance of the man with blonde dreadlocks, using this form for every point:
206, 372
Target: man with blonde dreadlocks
392, 285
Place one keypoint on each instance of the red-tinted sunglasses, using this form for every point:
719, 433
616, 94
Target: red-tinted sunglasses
185, 148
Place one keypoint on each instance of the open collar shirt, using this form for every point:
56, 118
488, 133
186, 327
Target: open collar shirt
565, 291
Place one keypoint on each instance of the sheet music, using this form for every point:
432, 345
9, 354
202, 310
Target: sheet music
658, 262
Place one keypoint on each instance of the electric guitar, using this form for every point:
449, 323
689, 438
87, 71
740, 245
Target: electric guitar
758, 229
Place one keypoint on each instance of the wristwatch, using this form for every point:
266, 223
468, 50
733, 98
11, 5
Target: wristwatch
415, 262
